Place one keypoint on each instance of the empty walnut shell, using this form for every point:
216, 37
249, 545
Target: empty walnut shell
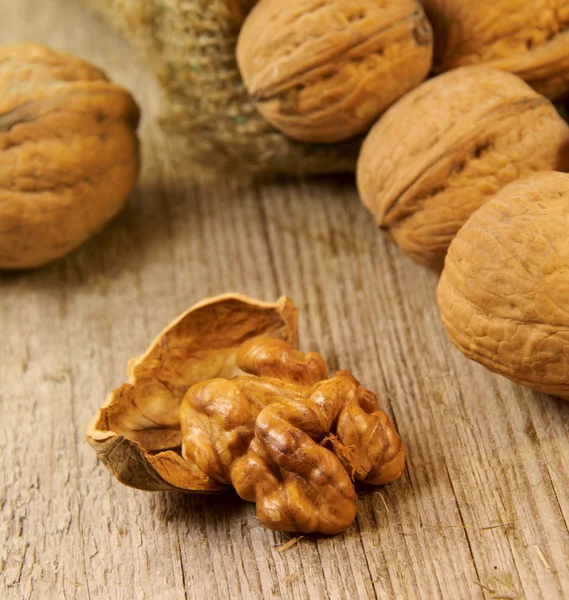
504, 291
323, 71
448, 147
529, 39
68, 153
136, 434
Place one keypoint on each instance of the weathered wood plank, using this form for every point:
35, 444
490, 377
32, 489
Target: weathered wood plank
483, 509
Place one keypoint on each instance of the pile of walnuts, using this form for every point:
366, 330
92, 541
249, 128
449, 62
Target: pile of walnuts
476, 155
466, 170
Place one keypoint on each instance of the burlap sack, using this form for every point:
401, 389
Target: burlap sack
191, 46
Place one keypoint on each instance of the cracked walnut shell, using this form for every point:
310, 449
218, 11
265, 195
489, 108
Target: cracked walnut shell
448, 147
530, 39
323, 71
68, 153
136, 434
504, 291
224, 399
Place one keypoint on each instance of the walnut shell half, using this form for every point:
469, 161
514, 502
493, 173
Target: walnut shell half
504, 291
448, 147
136, 434
323, 71
530, 39
68, 153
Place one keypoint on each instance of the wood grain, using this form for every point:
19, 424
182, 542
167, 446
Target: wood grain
483, 509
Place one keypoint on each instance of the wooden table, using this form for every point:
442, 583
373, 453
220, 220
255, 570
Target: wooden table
483, 509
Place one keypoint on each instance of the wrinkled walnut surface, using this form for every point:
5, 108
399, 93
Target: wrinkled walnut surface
267, 437
323, 71
448, 147
136, 434
504, 291
530, 39
68, 153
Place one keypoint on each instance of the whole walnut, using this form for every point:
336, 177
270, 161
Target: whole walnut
68, 153
448, 147
526, 38
504, 291
324, 70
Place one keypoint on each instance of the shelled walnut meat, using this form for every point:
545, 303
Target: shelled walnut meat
68, 153
448, 147
530, 39
504, 291
224, 399
324, 70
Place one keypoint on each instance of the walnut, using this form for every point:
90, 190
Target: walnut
525, 38
448, 147
267, 437
224, 399
324, 71
68, 153
504, 291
